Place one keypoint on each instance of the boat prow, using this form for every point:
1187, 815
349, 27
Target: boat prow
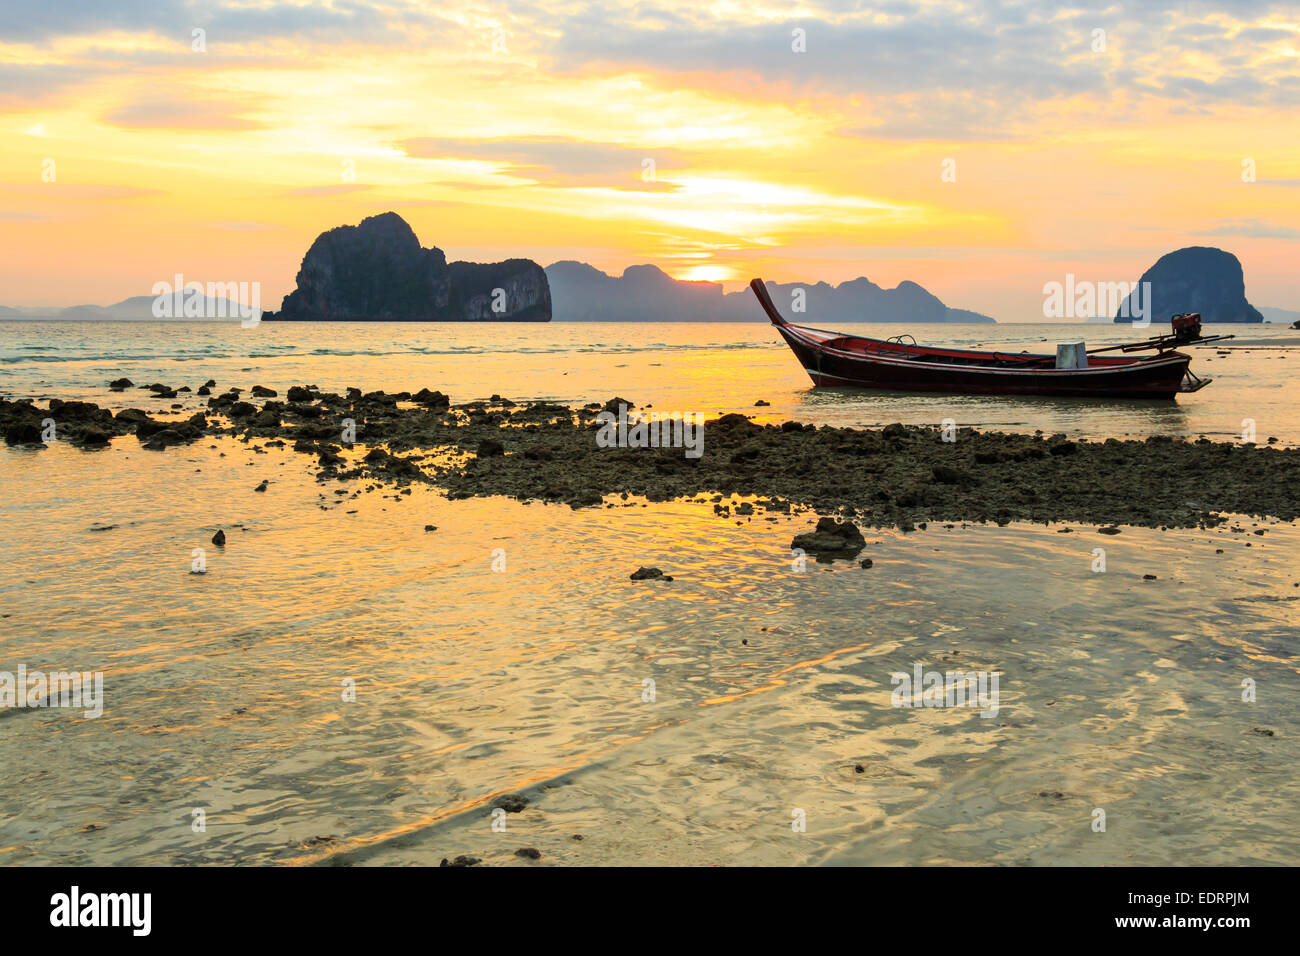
765, 300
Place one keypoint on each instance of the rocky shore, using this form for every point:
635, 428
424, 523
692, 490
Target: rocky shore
898, 476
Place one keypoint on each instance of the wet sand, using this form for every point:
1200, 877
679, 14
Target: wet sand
772, 679
468, 568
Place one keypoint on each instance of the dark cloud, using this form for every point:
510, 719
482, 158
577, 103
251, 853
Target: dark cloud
954, 71
223, 21
1266, 35
989, 64
28, 22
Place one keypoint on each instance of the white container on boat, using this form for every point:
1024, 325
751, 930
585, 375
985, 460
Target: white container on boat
1071, 355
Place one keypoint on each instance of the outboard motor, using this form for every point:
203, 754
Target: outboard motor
1187, 326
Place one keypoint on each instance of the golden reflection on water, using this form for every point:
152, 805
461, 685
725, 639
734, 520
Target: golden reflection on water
223, 689
774, 680
709, 368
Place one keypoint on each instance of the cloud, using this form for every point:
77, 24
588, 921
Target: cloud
226, 21
1252, 228
39, 21
990, 63
993, 55
915, 69
24, 86
1265, 35
169, 111
941, 115
557, 161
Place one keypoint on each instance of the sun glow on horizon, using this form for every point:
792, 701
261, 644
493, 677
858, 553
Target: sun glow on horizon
707, 273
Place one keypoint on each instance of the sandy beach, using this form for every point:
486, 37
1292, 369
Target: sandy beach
772, 684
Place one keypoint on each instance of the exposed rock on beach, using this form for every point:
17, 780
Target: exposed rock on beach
831, 537
649, 574
898, 476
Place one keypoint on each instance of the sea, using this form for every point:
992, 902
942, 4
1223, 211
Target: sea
339, 686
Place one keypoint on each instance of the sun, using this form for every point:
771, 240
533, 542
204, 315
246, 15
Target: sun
707, 273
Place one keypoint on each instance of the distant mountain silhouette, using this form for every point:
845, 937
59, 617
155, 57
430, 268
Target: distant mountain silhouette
582, 293
645, 293
1281, 316
138, 308
1196, 279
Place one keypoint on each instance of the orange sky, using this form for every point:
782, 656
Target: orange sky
502, 130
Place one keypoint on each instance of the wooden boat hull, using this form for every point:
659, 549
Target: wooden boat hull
837, 359
827, 366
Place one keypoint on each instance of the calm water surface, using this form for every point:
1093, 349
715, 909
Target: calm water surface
706, 367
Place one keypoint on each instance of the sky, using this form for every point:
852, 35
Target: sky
981, 148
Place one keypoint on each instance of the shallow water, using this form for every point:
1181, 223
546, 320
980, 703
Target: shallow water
685, 367
224, 690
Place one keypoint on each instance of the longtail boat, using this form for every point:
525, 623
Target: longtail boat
839, 359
